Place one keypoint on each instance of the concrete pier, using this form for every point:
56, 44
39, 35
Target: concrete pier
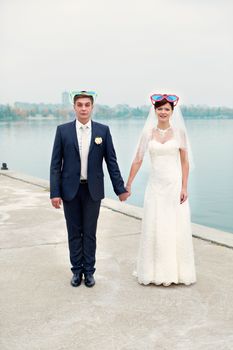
41, 311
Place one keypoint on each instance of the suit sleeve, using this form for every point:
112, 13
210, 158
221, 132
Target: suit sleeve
56, 166
112, 165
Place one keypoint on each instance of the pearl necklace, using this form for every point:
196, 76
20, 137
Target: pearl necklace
162, 132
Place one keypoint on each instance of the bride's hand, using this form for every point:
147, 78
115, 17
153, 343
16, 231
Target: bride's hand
183, 196
128, 188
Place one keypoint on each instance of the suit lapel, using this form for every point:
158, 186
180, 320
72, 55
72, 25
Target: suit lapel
75, 137
93, 135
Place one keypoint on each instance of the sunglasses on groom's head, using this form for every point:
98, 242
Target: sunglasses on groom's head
83, 93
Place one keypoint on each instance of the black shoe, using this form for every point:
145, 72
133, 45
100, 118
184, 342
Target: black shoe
89, 280
76, 279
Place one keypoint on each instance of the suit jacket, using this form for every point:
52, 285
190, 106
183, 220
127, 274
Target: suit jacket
65, 166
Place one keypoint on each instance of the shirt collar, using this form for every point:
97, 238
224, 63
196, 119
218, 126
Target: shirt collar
79, 125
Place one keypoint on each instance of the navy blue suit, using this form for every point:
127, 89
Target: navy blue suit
82, 201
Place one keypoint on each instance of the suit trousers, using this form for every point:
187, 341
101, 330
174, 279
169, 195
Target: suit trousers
81, 214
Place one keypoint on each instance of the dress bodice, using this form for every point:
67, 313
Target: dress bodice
164, 154
165, 165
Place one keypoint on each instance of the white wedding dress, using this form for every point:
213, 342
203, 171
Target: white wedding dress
166, 250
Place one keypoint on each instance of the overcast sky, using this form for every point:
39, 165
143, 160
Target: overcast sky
123, 49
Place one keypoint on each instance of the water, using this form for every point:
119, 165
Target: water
26, 147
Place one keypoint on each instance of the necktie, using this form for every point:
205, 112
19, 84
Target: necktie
84, 152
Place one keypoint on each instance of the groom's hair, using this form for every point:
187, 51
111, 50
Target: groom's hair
163, 102
76, 97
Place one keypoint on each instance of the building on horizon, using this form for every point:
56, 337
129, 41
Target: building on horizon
66, 99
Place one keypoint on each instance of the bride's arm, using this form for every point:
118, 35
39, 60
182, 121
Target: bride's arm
133, 172
137, 162
185, 174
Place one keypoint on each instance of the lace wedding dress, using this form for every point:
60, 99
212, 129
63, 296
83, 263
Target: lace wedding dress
166, 250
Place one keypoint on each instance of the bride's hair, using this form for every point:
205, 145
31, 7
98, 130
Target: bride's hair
163, 102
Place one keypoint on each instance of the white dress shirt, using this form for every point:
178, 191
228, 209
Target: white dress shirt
84, 140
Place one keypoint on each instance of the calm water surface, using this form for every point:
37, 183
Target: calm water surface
26, 147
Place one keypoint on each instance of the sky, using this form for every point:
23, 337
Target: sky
123, 49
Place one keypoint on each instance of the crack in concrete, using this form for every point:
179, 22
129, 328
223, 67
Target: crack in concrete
127, 234
30, 182
213, 242
33, 246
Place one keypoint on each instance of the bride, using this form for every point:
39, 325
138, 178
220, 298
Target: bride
165, 250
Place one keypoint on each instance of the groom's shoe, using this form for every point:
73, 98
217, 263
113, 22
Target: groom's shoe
89, 280
76, 280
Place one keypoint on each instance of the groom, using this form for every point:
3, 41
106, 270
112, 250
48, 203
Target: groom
77, 180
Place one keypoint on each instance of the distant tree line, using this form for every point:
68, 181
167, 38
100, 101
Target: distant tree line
196, 112
24, 110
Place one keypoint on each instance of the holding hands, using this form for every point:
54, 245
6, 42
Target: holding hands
124, 196
128, 188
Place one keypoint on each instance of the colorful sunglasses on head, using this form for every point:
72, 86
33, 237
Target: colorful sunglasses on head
84, 93
159, 97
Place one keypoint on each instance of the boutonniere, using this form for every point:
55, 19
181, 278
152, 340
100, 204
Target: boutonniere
98, 140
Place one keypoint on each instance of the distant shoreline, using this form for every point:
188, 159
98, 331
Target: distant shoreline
31, 111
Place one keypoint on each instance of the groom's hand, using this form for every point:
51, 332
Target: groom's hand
123, 196
56, 202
